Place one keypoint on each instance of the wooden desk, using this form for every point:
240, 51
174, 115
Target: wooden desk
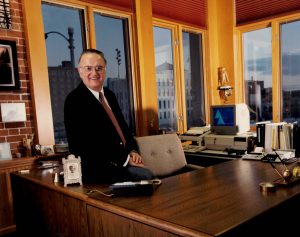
7, 223
221, 200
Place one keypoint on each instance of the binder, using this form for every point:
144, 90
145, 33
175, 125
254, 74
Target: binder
272, 136
296, 139
260, 133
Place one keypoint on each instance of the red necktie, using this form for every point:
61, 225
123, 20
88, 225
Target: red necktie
111, 116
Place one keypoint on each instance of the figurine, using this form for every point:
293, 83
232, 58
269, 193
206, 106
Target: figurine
27, 143
223, 81
223, 77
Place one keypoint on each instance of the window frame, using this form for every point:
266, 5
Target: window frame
37, 58
274, 23
177, 50
130, 53
144, 108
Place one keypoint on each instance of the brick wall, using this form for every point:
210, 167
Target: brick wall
14, 132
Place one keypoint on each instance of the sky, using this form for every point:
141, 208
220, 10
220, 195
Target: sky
258, 55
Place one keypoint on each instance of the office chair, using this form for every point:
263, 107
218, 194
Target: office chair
164, 155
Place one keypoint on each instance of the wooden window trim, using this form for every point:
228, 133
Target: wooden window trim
177, 30
274, 23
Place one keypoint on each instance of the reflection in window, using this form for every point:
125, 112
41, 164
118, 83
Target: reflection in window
290, 61
64, 41
257, 57
113, 44
193, 78
165, 73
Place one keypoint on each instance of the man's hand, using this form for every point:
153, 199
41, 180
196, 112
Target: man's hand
135, 159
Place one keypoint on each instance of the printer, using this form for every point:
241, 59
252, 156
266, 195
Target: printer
239, 142
195, 134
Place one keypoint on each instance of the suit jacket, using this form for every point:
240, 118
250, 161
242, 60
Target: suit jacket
92, 136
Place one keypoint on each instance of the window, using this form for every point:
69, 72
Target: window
113, 45
65, 31
257, 57
271, 69
64, 41
290, 61
165, 72
191, 110
193, 79
86, 19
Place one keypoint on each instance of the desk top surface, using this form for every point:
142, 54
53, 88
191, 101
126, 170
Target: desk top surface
211, 201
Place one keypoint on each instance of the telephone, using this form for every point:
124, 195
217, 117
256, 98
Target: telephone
143, 187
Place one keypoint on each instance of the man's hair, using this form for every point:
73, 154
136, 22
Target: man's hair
90, 51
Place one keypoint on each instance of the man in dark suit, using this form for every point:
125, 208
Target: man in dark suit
107, 155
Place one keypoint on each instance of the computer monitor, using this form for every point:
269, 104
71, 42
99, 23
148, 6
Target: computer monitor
230, 119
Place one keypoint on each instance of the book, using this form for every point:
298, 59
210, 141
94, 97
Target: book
272, 136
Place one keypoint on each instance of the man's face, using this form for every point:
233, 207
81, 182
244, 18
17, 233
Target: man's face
92, 71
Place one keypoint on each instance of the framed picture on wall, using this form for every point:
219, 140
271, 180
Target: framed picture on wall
9, 74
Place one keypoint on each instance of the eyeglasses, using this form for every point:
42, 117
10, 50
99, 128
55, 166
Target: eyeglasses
89, 69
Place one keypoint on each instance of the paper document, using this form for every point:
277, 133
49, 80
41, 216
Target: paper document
197, 130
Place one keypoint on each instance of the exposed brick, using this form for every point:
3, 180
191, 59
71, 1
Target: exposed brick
2, 139
24, 83
16, 34
14, 5
26, 130
15, 138
4, 132
15, 125
25, 90
9, 97
26, 97
14, 131
28, 111
29, 124
22, 76
21, 53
